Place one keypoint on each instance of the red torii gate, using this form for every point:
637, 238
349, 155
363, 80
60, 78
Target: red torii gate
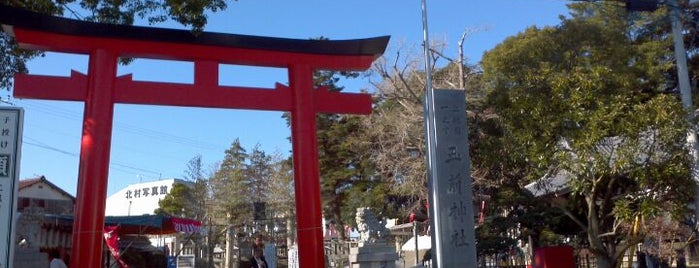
100, 89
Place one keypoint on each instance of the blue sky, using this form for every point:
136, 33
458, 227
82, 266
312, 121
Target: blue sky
156, 142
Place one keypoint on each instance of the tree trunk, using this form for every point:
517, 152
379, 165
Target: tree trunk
604, 255
605, 262
290, 231
229, 247
210, 244
337, 216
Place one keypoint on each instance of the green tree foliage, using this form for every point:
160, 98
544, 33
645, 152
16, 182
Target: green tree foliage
396, 134
395, 129
662, 29
499, 172
12, 60
344, 164
192, 200
281, 195
225, 200
280, 192
230, 187
200, 189
493, 237
176, 203
346, 173
188, 13
200, 203
258, 172
588, 101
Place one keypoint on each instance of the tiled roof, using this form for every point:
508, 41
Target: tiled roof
29, 182
556, 184
607, 148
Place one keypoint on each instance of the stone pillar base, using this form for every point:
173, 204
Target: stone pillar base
377, 255
30, 258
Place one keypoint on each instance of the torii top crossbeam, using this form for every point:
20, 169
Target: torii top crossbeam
100, 89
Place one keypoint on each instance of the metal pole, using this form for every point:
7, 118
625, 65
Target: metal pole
431, 135
428, 59
417, 256
686, 96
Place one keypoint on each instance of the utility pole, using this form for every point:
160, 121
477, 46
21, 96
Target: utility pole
683, 81
686, 96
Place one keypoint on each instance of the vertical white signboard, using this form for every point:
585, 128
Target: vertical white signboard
11, 119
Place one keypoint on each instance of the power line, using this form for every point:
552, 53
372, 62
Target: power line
113, 164
47, 147
119, 126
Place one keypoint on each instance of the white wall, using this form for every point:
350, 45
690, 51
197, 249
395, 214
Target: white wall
138, 199
42, 190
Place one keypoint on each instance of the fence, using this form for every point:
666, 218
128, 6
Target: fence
337, 255
502, 261
337, 252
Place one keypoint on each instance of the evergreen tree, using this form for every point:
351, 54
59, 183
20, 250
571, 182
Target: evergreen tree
281, 198
200, 203
193, 200
344, 164
230, 187
176, 202
588, 101
258, 172
200, 189
346, 173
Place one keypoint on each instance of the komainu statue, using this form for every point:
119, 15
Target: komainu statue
371, 230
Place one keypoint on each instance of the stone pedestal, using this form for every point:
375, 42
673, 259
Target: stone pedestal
27, 254
409, 257
30, 258
373, 255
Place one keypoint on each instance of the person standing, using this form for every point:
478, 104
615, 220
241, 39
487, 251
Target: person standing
258, 261
258, 243
56, 261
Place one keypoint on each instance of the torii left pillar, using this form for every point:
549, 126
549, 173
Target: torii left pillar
100, 89
94, 157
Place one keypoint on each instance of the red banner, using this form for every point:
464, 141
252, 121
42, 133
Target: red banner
185, 225
111, 237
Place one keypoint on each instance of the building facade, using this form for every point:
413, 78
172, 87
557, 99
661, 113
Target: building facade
41, 193
40, 226
139, 198
41, 199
